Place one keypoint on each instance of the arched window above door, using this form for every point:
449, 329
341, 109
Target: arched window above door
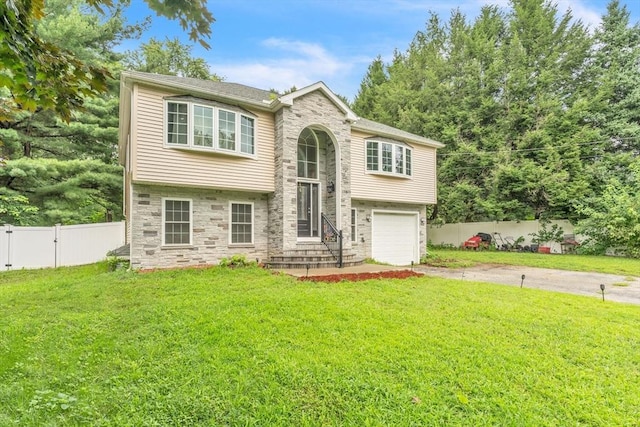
308, 154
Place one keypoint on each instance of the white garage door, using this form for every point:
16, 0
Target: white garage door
395, 237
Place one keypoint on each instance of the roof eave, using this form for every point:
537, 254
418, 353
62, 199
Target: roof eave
287, 100
418, 140
136, 78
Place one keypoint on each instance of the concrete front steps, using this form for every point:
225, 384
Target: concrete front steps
312, 256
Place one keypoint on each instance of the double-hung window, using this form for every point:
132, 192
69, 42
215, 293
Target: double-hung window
389, 158
241, 223
373, 156
226, 130
177, 123
210, 126
176, 222
202, 126
247, 135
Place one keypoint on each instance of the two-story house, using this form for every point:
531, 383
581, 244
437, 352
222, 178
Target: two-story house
214, 169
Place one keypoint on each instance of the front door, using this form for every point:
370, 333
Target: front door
308, 209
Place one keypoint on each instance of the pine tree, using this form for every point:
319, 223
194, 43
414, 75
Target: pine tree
505, 94
366, 101
616, 68
32, 139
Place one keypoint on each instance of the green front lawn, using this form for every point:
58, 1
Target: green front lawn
83, 346
597, 264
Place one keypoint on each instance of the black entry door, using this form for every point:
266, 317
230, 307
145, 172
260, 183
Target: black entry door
308, 209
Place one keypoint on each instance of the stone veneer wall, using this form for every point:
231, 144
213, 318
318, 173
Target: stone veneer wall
211, 221
317, 111
284, 169
362, 246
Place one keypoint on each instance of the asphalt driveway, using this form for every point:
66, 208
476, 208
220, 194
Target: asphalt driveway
617, 288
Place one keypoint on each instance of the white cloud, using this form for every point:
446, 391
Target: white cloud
579, 10
291, 63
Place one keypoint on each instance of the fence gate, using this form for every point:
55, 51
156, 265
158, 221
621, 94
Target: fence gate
30, 247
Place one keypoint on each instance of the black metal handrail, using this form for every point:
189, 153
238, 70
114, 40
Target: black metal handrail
332, 239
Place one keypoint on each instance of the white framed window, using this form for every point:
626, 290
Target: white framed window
247, 135
354, 225
177, 123
226, 130
241, 227
177, 222
308, 155
399, 159
372, 155
388, 158
197, 126
202, 126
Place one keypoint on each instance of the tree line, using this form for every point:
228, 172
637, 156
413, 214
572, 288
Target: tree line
540, 115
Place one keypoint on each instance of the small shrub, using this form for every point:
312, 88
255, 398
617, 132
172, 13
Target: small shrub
545, 234
237, 260
116, 263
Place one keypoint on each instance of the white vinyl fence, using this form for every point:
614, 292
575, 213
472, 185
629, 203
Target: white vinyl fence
456, 234
60, 245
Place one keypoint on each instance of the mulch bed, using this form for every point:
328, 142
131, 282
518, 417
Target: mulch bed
355, 277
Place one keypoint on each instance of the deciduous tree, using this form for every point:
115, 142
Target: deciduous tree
168, 57
612, 219
39, 74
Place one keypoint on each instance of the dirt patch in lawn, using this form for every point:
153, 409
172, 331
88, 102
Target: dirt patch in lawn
355, 277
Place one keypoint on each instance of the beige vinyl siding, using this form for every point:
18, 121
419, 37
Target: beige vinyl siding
155, 163
419, 188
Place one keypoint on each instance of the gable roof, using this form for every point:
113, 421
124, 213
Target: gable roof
319, 86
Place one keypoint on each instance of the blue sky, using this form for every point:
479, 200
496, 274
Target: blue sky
277, 44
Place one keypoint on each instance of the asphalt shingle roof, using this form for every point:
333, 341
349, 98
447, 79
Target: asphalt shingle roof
226, 89
390, 131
